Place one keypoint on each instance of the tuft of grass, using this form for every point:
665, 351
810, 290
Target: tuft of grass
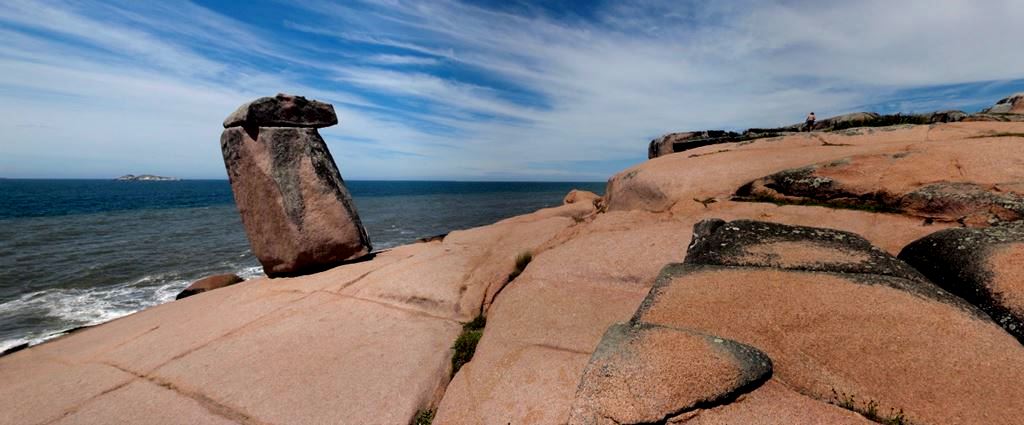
869, 410
522, 260
424, 417
465, 344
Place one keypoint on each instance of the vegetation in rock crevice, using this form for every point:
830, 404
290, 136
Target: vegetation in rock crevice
424, 417
869, 410
522, 260
465, 344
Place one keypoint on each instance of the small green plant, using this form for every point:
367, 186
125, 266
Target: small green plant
424, 417
465, 344
522, 260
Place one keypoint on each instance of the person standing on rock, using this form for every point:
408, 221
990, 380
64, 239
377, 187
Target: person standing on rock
810, 122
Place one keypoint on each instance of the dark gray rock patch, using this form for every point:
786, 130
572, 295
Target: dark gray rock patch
958, 261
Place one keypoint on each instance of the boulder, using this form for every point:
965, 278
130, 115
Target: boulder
946, 116
297, 212
577, 195
1010, 105
644, 373
679, 142
283, 110
983, 266
894, 345
209, 283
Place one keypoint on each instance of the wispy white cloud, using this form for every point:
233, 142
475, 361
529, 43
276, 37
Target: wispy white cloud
446, 89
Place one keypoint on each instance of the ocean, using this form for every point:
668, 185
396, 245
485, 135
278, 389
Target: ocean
81, 252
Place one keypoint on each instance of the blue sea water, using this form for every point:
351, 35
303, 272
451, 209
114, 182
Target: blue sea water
82, 252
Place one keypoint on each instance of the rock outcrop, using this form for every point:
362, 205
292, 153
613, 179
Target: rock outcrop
297, 212
841, 321
643, 373
209, 283
946, 116
853, 119
1010, 105
853, 336
983, 266
679, 142
926, 183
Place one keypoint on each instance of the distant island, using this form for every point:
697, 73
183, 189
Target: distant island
146, 178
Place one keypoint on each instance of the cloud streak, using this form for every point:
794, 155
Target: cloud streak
449, 90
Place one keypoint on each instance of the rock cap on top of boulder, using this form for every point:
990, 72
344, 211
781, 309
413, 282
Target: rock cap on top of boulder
283, 110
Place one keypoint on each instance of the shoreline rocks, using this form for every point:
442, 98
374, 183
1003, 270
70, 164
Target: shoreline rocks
297, 212
209, 283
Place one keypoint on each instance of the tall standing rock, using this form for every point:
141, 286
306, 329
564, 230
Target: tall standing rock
297, 212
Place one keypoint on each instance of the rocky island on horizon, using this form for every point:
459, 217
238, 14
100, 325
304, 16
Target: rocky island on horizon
848, 275
145, 178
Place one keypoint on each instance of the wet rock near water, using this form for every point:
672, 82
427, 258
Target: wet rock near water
209, 283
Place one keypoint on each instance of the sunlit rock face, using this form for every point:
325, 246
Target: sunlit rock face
298, 214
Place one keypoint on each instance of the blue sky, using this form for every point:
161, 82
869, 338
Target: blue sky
493, 90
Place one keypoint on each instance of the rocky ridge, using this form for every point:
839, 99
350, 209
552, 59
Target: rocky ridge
676, 297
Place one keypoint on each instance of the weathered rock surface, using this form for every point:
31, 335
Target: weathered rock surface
983, 266
1010, 105
946, 183
765, 244
283, 110
772, 404
870, 337
296, 209
209, 283
366, 342
644, 374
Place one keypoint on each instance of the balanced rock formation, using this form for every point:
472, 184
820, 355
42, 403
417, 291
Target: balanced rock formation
983, 266
283, 110
209, 283
297, 212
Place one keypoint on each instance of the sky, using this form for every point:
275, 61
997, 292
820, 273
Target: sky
489, 90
